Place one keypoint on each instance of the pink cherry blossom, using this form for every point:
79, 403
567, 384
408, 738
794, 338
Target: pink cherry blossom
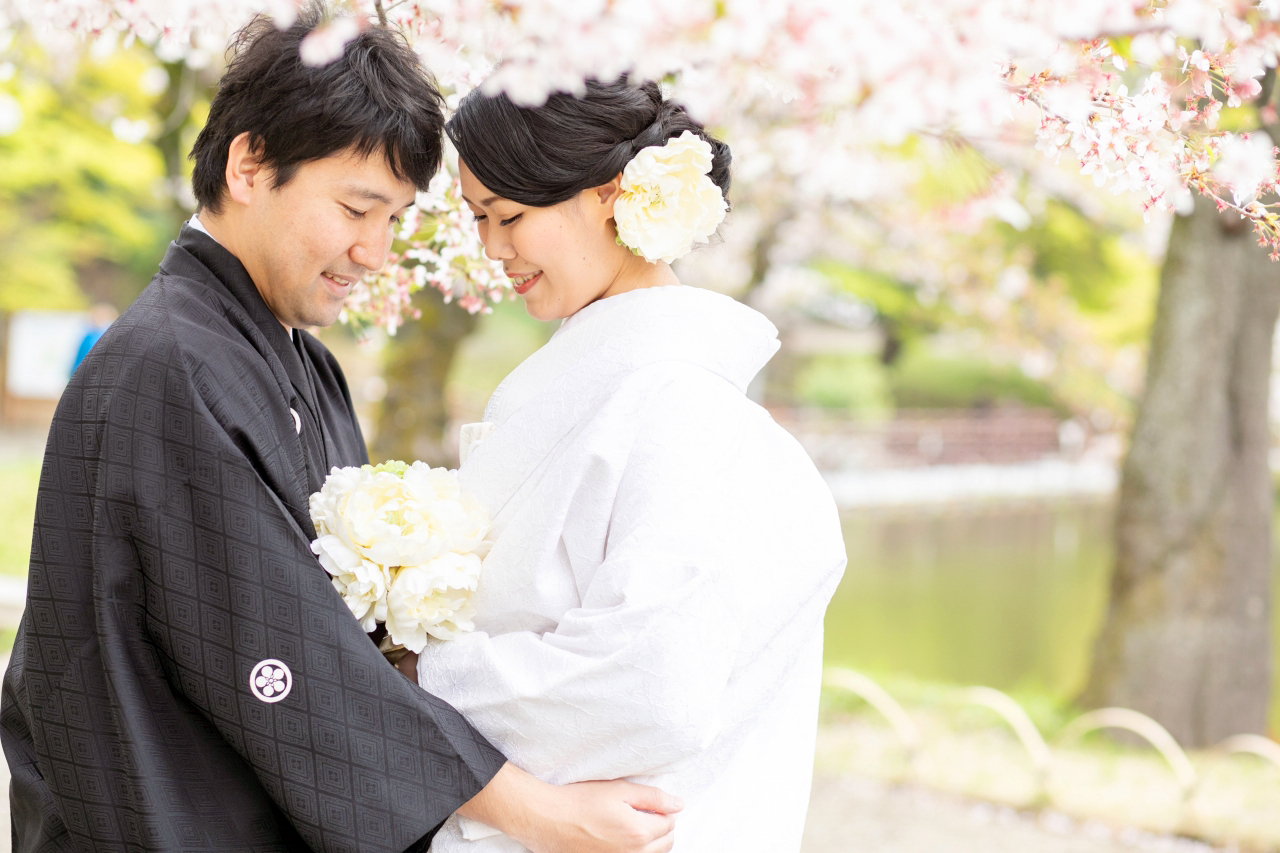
817, 95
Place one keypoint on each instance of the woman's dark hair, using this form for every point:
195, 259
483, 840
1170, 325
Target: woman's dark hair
375, 98
542, 156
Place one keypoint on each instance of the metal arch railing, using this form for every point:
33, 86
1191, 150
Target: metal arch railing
1257, 745
1146, 728
877, 697
1017, 718
1264, 748
1033, 741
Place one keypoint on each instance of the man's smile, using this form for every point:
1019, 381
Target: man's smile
341, 285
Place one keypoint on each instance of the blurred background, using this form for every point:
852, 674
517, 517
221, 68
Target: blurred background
970, 398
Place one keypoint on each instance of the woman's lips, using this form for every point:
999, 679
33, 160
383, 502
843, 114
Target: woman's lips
525, 286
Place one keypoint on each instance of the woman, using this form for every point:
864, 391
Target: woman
663, 552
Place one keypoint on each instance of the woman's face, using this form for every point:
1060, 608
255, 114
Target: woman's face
559, 258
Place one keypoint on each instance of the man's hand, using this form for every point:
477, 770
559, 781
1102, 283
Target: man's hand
587, 817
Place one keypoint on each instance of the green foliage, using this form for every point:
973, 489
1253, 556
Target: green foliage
901, 316
394, 466
861, 386
73, 196
924, 381
950, 172
1107, 277
856, 384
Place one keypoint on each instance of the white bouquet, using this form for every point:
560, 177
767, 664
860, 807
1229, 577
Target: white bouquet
404, 547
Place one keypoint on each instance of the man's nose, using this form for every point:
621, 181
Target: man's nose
371, 250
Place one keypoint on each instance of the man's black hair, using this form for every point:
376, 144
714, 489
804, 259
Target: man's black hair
376, 98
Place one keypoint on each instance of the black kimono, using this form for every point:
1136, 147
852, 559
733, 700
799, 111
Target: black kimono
185, 676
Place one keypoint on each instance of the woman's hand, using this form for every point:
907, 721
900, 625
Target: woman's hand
408, 666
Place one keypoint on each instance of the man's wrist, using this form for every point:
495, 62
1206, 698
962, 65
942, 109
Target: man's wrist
512, 802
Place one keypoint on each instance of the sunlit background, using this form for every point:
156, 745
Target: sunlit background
971, 428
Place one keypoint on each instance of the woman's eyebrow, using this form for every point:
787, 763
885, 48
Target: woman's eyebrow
488, 201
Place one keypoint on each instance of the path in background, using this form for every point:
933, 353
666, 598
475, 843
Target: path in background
852, 814
849, 814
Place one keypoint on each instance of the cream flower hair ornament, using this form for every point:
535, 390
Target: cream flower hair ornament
668, 202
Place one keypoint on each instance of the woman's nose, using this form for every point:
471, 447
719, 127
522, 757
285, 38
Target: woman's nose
497, 248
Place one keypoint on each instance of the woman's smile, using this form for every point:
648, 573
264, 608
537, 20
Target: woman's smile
524, 283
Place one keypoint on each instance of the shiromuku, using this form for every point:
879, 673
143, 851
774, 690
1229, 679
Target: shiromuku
663, 552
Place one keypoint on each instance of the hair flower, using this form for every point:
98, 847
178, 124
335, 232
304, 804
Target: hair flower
668, 202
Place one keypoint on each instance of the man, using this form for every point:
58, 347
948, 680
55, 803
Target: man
185, 676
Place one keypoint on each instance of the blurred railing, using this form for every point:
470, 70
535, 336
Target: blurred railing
1040, 753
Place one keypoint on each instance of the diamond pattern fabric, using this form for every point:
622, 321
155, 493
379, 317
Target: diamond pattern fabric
170, 561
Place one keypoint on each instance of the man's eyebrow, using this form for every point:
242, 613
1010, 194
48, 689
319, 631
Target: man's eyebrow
366, 193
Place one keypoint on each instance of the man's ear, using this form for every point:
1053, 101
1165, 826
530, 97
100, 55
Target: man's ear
244, 169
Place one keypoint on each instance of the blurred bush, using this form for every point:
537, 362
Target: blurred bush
864, 388
921, 380
855, 384
17, 511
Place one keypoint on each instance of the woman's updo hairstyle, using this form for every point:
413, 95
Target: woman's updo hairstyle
540, 156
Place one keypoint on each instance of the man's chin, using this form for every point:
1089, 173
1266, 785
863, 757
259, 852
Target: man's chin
317, 319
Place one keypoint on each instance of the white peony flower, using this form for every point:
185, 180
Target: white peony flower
378, 515
432, 484
362, 583
432, 600
405, 527
668, 202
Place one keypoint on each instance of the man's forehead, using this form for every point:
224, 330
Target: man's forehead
368, 178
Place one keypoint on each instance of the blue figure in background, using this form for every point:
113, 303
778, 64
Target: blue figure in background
101, 316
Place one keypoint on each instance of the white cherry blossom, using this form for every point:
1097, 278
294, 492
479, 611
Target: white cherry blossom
1130, 91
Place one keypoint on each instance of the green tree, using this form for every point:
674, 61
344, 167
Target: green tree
84, 208
1187, 634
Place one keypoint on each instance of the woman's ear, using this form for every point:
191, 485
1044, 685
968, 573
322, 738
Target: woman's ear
604, 197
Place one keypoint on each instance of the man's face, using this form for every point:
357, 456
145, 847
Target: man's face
308, 242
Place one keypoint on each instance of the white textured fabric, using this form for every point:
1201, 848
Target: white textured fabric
195, 223
664, 553
470, 436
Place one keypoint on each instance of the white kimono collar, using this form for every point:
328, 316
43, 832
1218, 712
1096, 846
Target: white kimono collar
545, 399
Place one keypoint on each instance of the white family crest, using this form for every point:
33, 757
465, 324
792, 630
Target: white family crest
271, 680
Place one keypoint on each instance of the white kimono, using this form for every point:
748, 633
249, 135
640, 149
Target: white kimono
664, 553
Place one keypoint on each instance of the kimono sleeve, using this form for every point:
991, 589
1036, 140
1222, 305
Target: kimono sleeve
249, 630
